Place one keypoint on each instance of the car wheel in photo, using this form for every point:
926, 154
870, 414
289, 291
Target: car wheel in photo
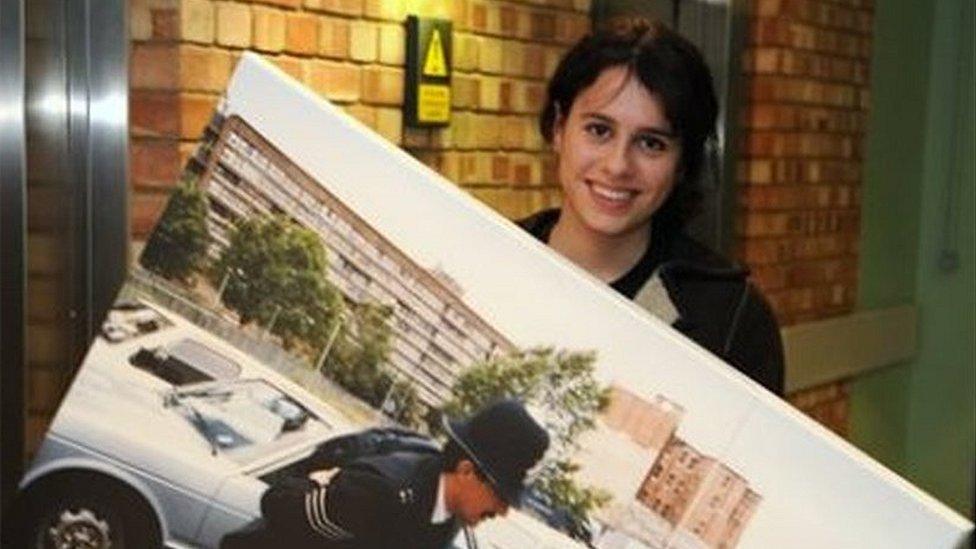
87, 512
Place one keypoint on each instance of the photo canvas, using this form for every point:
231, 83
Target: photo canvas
308, 279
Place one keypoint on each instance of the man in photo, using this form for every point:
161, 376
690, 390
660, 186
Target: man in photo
407, 499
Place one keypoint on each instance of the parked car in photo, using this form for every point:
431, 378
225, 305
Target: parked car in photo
167, 437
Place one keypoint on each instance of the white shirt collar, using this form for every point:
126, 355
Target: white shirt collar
440, 513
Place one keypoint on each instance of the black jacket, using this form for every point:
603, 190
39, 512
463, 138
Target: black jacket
375, 502
718, 307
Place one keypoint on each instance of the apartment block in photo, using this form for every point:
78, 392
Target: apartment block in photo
435, 334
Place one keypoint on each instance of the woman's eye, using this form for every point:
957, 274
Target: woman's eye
652, 143
597, 130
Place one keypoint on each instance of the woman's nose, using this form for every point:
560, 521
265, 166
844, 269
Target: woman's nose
616, 159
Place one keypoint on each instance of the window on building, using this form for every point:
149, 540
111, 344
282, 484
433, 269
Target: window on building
226, 173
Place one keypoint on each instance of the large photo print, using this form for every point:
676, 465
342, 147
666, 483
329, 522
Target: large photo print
308, 281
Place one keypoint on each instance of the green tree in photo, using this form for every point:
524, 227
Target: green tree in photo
360, 351
563, 386
555, 481
274, 274
177, 248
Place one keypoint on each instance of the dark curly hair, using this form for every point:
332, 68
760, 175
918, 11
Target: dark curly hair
670, 67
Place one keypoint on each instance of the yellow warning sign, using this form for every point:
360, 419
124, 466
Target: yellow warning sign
435, 62
434, 103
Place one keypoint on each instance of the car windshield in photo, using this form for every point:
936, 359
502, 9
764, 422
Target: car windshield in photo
245, 419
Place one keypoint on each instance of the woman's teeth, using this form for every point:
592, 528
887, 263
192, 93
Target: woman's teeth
618, 195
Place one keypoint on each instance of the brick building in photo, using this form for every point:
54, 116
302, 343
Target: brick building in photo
698, 495
435, 334
666, 493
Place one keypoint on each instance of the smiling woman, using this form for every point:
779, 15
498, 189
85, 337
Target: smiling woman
628, 113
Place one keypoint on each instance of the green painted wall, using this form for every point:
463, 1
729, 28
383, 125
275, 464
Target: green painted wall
890, 213
920, 417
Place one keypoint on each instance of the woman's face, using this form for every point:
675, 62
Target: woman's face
618, 155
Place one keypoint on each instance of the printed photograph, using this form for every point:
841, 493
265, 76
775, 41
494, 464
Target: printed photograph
311, 297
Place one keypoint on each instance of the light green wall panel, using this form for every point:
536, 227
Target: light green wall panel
890, 213
920, 417
942, 402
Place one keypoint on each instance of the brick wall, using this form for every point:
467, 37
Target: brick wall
803, 126
352, 52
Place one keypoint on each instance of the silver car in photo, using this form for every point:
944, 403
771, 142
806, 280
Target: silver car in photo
167, 437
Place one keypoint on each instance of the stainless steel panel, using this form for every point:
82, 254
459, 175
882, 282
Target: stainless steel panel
77, 89
97, 102
108, 89
12, 245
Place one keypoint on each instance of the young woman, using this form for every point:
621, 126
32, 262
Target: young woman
628, 113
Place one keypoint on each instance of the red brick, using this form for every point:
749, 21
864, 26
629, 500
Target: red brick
145, 208
828, 405
479, 16
204, 69
337, 81
534, 96
465, 92
493, 20
459, 15
195, 112
535, 63
505, 96
154, 162
334, 37
509, 20
383, 86
487, 131
165, 24
153, 113
366, 115
293, 66
154, 66
140, 23
302, 34
269, 29
542, 26
769, 277
570, 28
766, 251
500, 166
522, 173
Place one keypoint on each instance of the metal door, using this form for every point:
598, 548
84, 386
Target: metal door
63, 223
